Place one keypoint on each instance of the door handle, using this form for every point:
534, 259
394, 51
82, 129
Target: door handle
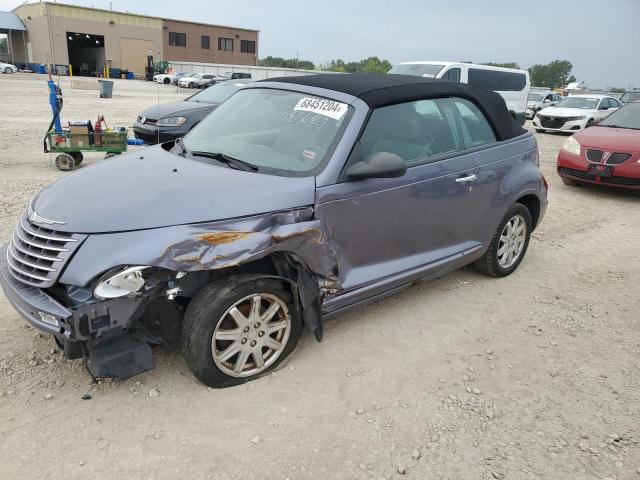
468, 178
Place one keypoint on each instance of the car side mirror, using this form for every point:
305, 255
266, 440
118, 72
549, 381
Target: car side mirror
378, 165
546, 100
603, 107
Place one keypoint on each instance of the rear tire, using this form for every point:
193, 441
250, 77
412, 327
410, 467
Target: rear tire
212, 311
496, 261
589, 123
166, 81
77, 157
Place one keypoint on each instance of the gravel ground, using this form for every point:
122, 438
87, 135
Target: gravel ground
536, 376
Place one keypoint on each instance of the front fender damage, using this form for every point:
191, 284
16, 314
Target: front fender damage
295, 241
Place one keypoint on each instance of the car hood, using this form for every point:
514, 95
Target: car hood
567, 112
155, 188
176, 108
610, 139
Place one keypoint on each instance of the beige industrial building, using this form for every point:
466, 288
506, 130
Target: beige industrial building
89, 39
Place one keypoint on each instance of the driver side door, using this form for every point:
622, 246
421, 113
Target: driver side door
390, 231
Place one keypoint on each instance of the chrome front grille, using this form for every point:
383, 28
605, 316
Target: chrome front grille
36, 255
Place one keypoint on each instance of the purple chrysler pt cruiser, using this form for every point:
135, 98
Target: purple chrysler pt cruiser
295, 200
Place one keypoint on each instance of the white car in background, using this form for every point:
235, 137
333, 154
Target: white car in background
8, 68
536, 101
575, 112
199, 80
168, 78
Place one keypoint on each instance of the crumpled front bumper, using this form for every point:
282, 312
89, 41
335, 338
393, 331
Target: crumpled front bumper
77, 324
35, 306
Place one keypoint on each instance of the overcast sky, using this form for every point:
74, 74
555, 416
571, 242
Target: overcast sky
601, 38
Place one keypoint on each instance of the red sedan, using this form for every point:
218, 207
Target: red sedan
605, 154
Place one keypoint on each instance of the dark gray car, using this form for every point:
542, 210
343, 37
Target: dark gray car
167, 121
296, 200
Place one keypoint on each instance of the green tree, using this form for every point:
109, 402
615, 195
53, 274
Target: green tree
552, 75
367, 65
4, 44
503, 65
280, 62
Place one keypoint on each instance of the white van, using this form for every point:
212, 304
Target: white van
511, 84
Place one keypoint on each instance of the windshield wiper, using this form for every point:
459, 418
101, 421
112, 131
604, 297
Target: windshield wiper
224, 158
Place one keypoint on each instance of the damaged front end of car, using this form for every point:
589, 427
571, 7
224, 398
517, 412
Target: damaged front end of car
148, 277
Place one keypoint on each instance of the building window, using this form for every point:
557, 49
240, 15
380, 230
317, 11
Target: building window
247, 46
225, 44
204, 42
178, 39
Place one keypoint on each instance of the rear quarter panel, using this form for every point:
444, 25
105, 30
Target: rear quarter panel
507, 171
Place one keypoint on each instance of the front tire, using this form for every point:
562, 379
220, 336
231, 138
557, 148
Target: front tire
239, 328
508, 244
8, 70
166, 81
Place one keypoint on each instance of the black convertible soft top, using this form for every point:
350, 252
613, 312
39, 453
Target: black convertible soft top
379, 90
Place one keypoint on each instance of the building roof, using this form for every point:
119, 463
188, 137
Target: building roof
10, 21
81, 7
380, 90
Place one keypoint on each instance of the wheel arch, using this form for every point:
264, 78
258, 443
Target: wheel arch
532, 202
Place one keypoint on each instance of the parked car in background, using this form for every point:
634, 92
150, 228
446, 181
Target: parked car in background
536, 101
296, 199
606, 154
631, 96
575, 112
199, 80
168, 78
8, 68
169, 121
511, 84
237, 75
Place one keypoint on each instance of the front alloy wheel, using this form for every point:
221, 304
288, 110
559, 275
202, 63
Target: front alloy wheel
251, 335
239, 328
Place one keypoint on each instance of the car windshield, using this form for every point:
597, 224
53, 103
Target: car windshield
626, 117
417, 69
535, 97
281, 132
578, 102
630, 97
217, 93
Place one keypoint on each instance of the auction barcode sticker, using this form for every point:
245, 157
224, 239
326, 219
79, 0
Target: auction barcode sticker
328, 108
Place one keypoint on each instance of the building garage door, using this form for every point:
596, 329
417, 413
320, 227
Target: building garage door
133, 54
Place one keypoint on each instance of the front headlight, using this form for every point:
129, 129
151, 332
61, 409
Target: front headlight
171, 121
571, 145
121, 283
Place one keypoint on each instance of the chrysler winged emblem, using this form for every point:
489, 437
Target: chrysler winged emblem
34, 217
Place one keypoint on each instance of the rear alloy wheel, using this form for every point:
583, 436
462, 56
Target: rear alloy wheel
509, 243
65, 162
239, 328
